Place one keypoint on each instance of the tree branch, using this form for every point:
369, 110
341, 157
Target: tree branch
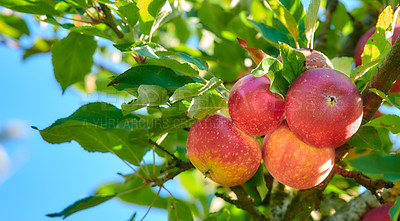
371, 185
245, 202
180, 164
109, 20
320, 43
163, 149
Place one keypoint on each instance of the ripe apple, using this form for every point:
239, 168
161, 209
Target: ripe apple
314, 59
222, 152
323, 108
363, 40
253, 107
293, 162
380, 213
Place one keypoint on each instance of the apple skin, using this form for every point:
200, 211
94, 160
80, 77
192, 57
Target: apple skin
222, 152
380, 213
253, 107
323, 108
314, 59
293, 162
363, 40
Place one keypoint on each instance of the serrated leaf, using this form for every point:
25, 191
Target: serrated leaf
149, 96
312, 16
377, 163
158, 55
72, 58
206, 104
377, 45
179, 211
293, 62
273, 69
94, 127
149, 75
388, 121
343, 64
285, 17
194, 89
394, 212
366, 137
36, 7
82, 204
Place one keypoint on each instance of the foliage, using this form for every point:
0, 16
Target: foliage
184, 57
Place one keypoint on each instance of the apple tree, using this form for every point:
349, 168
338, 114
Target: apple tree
221, 92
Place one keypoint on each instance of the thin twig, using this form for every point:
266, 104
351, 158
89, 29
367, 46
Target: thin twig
110, 22
247, 203
182, 166
163, 149
362, 179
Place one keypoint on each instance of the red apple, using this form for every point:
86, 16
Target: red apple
363, 40
314, 59
253, 107
324, 108
293, 162
380, 213
222, 152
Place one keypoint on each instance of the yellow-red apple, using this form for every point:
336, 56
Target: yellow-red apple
293, 162
323, 107
222, 152
380, 213
253, 107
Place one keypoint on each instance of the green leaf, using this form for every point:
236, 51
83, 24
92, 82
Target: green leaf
366, 137
94, 127
206, 104
293, 62
131, 13
36, 7
82, 204
101, 30
343, 64
274, 36
164, 11
385, 97
13, 26
285, 17
377, 46
194, 89
394, 212
179, 211
149, 75
148, 11
158, 55
72, 58
312, 16
273, 69
78, 3
213, 16
388, 121
377, 163
149, 96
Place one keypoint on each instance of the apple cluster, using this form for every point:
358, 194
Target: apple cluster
322, 110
